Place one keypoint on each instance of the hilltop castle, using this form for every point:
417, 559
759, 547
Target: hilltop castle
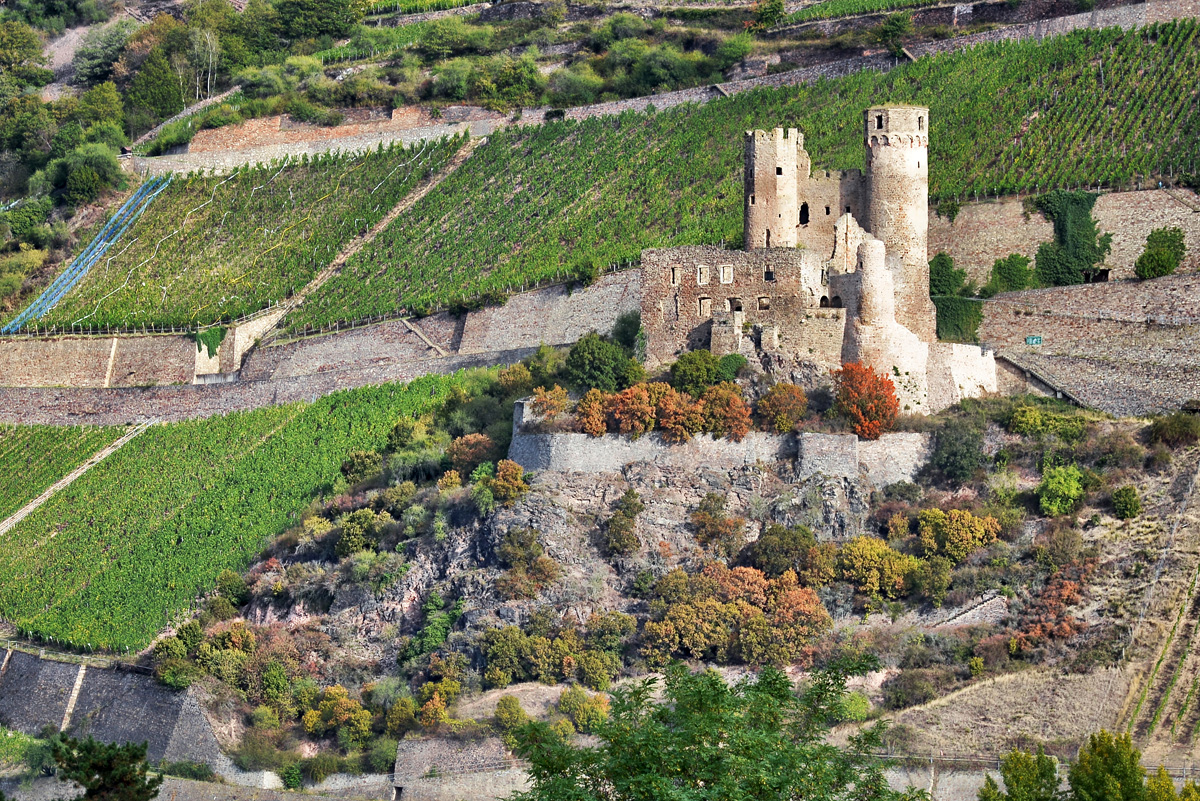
835, 269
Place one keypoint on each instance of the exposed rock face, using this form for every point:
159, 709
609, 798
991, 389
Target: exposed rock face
569, 511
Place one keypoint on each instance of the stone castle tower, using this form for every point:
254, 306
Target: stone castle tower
770, 193
897, 195
786, 206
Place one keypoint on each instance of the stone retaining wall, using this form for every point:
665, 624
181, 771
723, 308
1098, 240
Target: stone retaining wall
892, 458
97, 361
113, 705
555, 315
984, 232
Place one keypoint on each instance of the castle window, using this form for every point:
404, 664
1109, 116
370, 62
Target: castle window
837, 302
847, 209
827, 211
879, 122
768, 274
752, 200
779, 170
733, 304
920, 124
824, 302
726, 273
676, 307
764, 304
768, 239
674, 276
705, 307
804, 214
701, 275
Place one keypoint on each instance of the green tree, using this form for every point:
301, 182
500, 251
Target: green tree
155, 89
695, 371
771, 744
108, 772
1108, 769
1060, 490
93, 61
101, 103
596, 363
20, 46
1027, 777
893, 30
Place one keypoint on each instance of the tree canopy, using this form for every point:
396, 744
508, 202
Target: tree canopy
705, 739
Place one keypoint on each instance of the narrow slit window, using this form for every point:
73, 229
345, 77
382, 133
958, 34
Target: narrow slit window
879, 122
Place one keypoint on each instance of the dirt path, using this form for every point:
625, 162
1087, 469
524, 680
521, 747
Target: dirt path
360, 241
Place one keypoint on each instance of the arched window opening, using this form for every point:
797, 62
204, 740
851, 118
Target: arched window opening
824, 302
804, 214
837, 302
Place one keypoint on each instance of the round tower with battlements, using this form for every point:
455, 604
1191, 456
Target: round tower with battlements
897, 178
772, 215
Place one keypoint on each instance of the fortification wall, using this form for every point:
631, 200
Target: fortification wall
957, 372
984, 232
892, 458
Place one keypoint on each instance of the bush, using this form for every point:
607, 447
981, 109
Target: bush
1163, 254
321, 767
944, 278
169, 648
1060, 491
1175, 430
361, 465
1126, 503
875, 568
956, 533
695, 372
469, 451
584, 710
729, 365
958, 451
595, 363
782, 409
714, 528
232, 586
854, 707
292, 777
1010, 274
909, 688
866, 400
725, 412
381, 758
780, 549
620, 535
509, 483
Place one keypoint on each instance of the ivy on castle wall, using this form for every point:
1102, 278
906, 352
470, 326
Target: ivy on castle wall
958, 318
1078, 247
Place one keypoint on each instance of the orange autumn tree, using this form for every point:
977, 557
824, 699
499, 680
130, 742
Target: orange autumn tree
866, 399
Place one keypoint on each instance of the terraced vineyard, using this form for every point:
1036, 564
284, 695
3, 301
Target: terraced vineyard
542, 202
34, 457
214, 248
828, 9
108, 560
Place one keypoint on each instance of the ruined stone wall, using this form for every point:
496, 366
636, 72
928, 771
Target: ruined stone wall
683, 287
94, 406
96, 361
828, 194
984, 232
959, 371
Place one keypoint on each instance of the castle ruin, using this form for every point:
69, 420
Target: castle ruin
835, 269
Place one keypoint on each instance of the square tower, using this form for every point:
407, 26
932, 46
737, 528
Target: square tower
771, 217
